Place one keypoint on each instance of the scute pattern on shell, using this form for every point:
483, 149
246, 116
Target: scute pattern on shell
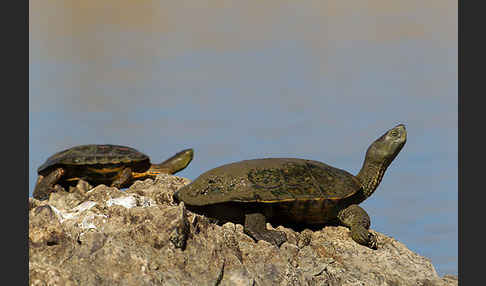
219, 185
265, 178
94, 154
333, 182
270, 180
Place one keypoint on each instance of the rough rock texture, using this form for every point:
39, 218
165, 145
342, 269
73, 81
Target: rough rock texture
105, 236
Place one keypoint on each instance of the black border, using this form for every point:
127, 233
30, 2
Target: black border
23, 70
15, 130
471, 150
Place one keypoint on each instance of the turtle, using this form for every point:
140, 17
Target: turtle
292, 191
112, 165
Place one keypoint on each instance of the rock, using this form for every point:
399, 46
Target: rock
105, 236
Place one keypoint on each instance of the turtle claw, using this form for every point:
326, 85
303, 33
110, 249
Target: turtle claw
274, 237
362, 236
46, 185
255, 226
279, 237
123, 179
373, 244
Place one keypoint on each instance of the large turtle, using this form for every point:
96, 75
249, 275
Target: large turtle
293, 191
112, 165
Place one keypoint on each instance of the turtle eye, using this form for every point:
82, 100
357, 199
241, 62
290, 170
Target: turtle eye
394, 133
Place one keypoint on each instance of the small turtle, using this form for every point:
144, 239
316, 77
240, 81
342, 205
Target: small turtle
113, 165
293, 191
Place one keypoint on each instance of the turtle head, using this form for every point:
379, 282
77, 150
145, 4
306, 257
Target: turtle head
379, 156
387, 147
174, 164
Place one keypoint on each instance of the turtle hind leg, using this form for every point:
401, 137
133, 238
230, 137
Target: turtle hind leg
45, 185
123, 178
358, 222
176, 163
255, 226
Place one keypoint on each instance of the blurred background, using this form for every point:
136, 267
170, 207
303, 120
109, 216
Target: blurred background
240, 80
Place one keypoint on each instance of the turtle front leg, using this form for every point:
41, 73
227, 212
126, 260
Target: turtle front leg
45, 185
256, 227
358, 222
123, 178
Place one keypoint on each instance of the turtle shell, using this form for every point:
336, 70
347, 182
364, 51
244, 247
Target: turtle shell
101, 162
285, 190
270, 180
